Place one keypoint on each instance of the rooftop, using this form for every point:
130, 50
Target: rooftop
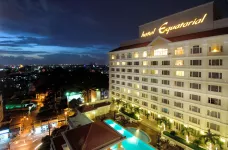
78, 120
89, 137
86, 108
215, 32
58, 142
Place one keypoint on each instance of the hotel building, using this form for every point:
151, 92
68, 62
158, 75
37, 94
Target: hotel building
177, 68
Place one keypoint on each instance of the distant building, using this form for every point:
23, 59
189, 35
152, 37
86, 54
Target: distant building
98, 94
4, 123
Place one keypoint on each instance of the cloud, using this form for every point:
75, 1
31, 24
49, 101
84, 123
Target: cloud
21, 52
55, 59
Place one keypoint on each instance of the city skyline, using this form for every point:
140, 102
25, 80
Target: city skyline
48, 32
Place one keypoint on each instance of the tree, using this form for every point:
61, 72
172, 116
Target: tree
164, 121
75, 103
147, 115
125, 105
118, 102
58, 131
196, 142
46, 141
187, 132
136, 110
212, 139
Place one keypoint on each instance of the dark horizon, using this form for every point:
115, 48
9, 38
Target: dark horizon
74, 32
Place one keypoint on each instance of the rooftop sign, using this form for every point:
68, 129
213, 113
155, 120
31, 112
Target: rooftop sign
192, 20
165, 29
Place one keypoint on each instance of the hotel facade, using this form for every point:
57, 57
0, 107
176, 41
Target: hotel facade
178, 69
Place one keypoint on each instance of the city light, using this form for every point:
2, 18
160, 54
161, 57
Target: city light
38, 146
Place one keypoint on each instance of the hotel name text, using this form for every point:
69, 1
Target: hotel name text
165, 29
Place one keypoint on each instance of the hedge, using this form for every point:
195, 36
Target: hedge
182, 141
131, 114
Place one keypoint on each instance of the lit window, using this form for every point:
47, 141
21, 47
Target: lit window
215, 48
136, 55
137, 93
154, 71
136, 86
123, 63
117, 63
145, 63
179, 62
113, 57
160, 52
179, 51
179, 73
129, 91
145, 71
145, 54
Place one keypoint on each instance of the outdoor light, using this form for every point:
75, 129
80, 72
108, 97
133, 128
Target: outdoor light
187, 139
223, 140
201, 132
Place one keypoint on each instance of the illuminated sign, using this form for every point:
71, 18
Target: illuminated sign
165, 28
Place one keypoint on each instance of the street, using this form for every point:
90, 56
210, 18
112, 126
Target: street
29, 142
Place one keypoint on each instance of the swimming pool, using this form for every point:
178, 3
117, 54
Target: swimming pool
131, 142
139, 134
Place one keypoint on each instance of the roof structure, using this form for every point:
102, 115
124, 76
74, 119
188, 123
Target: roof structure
93, 136
58, 142
86, 108
78, 120
215, 32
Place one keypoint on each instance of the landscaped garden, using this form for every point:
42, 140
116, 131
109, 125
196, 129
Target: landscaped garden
182, 141
198, 141
130, 111
186, 136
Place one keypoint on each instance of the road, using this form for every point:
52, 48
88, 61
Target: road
29, 142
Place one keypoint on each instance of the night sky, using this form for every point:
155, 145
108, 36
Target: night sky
74, 31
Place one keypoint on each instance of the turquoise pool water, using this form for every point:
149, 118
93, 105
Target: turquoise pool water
139, 134
131, 142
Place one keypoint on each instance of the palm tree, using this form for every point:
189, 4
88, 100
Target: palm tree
125, 105
136, 110
212, 139
186, 131
74, 103
164, 121
118, 102
147, 115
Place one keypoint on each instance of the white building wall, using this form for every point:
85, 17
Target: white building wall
204, 81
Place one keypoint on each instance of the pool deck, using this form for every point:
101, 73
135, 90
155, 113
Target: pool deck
150, 129
152, 134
